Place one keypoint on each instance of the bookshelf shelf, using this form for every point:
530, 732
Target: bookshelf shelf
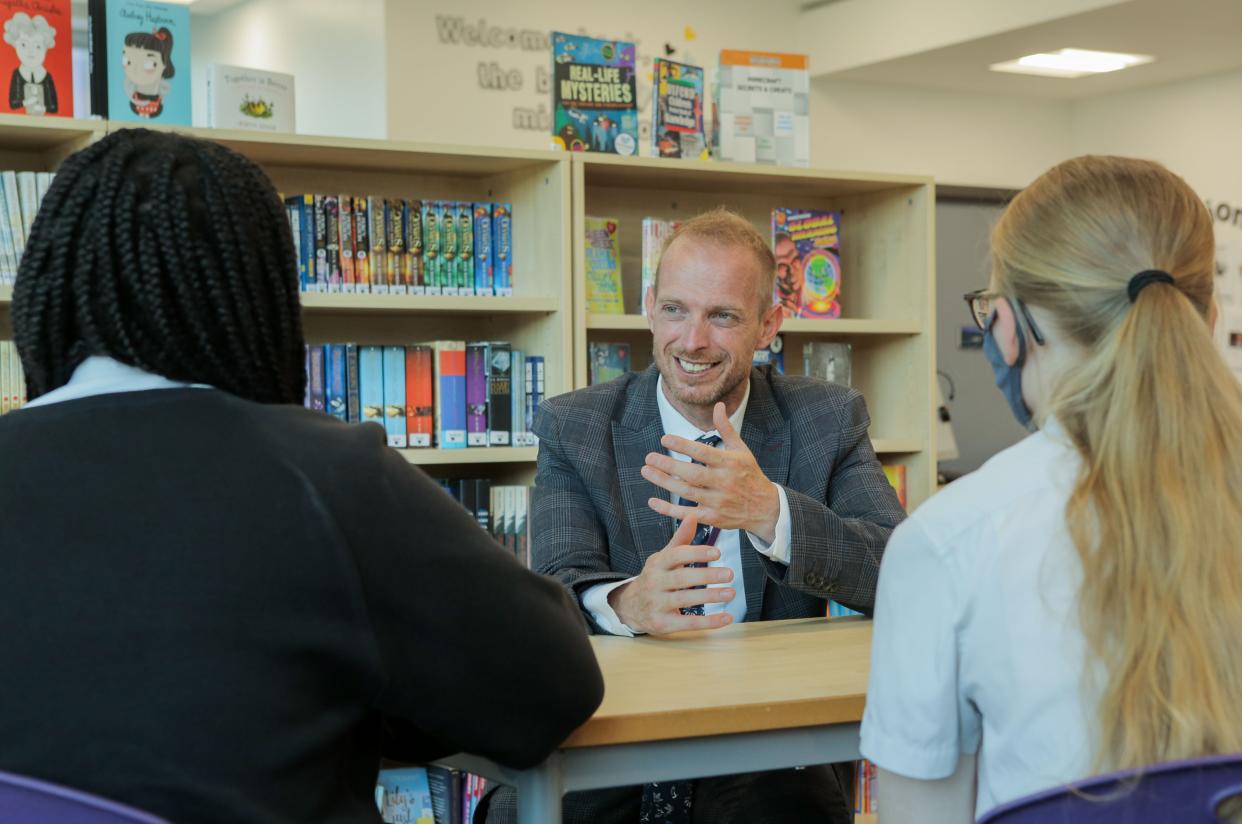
896, 446
427, 304
477, 455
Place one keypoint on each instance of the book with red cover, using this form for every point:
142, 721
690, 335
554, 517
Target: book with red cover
420, 407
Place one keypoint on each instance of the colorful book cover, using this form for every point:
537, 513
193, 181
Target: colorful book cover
394, 266
451, 394
762, 108
773, 355
896, 474
353, 407
608, 361
362, 262
345, 239
394, 396
336, 381
594, 95
447, 214
39, 59
377, 251
420, 407
502, 249
603, 267
465, 249
317, 387
254, 99
499, 392
807, 245
482, 231
139, 61
412, 216
828, 361
371, 383
431, 247
407, 796
476, 394
656, 233
677, 110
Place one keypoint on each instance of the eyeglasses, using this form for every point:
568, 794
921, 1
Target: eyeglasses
981, 303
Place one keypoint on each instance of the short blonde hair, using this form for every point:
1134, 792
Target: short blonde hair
725, 228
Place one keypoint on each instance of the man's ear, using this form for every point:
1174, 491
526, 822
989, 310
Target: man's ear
770, 324
1005, 330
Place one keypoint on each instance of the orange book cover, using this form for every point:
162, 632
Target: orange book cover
37, 57
896, 474
420, 395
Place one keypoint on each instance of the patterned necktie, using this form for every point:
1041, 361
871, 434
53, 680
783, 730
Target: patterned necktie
669, 802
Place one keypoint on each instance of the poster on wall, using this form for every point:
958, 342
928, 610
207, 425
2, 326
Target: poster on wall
594, 95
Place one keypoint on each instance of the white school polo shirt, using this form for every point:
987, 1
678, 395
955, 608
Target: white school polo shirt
977, 645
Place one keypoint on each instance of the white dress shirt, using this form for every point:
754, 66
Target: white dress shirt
729, 542
977, 647
100, 375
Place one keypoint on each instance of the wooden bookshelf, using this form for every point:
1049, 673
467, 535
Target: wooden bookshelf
887, 283
476, 455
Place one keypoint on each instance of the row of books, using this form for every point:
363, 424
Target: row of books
428, 795
501, 510
12, 379
392, 246
806, 243
864, 788
759, 103
445, 394
21, 194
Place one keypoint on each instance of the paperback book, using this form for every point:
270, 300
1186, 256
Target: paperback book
241, 98
677, 110
656, 233
807, 245
139, 61
38, 59
603, 267
594, 95
608, 361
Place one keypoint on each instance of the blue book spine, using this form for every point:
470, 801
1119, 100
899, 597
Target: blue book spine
293, 210
483, 278
336, 393
371, 383
306, 250
353, 408
502, 248
394, 396
316, 378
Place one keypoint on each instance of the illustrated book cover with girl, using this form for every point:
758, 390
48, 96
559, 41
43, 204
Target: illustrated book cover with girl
37, 58
140, 61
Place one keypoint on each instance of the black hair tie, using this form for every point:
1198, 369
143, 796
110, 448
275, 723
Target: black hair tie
1147, 278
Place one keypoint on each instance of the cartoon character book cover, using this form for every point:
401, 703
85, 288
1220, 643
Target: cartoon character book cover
140, 61
37, 57
807, 245
677, 119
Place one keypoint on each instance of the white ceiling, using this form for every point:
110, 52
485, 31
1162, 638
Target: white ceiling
1188, 38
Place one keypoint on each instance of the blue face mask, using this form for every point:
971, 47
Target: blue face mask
1008, 378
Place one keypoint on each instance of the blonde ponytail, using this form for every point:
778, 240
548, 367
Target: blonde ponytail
1156, 513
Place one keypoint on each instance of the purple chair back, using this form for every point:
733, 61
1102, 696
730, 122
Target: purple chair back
30, 800
1183, 791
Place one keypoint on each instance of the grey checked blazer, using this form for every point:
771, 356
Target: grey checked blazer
590, 522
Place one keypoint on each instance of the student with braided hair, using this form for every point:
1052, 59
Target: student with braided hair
1075, 606
216, 605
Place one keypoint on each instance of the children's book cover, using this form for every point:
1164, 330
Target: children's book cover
38, 59
656, 233
594, 98
677, 110
761, 108
242, 98
603, 267
140, 61
608, 361
828, 361
807, 245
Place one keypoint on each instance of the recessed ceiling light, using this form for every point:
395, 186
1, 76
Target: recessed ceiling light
1071, 63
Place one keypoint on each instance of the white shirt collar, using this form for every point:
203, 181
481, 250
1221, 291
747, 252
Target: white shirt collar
676, 424
100, 375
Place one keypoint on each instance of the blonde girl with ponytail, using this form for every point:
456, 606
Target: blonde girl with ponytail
1075, 605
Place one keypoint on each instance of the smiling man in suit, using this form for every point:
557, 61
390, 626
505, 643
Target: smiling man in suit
783, 502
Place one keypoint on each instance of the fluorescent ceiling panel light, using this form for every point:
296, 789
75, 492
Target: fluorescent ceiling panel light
1071, 63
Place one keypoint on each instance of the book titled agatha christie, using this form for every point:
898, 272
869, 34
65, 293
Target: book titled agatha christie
594, 95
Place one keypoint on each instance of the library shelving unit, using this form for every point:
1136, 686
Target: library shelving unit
887, 262
38, 144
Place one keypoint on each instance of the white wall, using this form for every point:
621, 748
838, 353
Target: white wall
334, 50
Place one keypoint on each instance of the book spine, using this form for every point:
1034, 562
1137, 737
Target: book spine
500, 411
371, 383
332, 231
451, 394
28, 197
395, 265
465, 249
394, 396
448, 247
377, 234
420, 395
317, 388
482, 502
293, 213
502, 248
336, 394
345, 226
321, 244
476, 394
517, 397
431, 249
362, 262
483, 249
353, 407
412, 218
534, 390
97, 55
8, 247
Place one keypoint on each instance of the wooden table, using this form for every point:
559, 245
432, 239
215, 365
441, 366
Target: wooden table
751, 697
